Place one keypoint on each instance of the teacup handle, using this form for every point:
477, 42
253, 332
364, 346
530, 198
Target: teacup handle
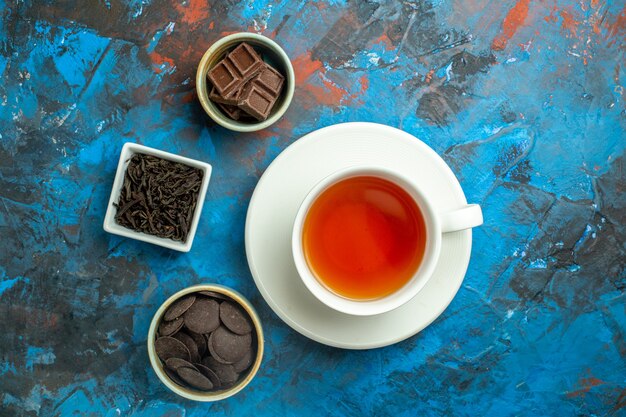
464, 218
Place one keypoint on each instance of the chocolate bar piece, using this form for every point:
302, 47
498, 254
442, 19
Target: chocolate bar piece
232, 72
270, 80
233, 112
232, 99
224, 77
246, 60
256, 101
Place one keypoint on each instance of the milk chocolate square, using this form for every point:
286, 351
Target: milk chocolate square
233, 112
270, 80
256, 101
231, 99
245, 59
224, 77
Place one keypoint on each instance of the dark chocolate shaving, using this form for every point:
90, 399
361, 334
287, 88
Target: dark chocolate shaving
158, 197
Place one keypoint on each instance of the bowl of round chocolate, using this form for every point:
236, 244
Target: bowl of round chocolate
205, 342
245, 82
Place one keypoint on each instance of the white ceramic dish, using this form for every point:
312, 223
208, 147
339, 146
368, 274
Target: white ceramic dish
278, 196
128, 150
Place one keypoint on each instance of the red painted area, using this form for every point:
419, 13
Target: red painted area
429, 76
262, 134
320, 5
568, 22
512, 22
384, 39
194, 12
586, 384
552, 16
621, 401
332, 95
365, 83
571, 21
618, 28
158, 60
596, 26
304, 67
190, 97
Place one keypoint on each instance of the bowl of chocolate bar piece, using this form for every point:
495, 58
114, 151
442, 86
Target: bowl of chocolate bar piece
245, 82
205, 342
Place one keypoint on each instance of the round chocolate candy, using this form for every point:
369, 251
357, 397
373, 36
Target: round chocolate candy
175, 363
245, 362
178, 307
235, 318
194, 378
209, 374
203, 316
224, 372
229, 346
168, 328
190, 343
167, 347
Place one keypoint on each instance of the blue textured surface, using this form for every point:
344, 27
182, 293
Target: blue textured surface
525, 101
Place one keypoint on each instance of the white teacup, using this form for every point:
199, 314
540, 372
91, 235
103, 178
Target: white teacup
436, 224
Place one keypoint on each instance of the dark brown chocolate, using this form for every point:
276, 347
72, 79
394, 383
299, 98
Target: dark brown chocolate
167, 347
209, 374
232, 99
245, 59
229, 346
190, 344
270, 80
175, 363
194, 378
256, 102
233, 112
203, 316
178, 307
234, 318
225, 77
168, 328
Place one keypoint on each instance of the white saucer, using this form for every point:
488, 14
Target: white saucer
273, 208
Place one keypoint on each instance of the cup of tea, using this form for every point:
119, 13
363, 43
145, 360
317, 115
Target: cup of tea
366, 239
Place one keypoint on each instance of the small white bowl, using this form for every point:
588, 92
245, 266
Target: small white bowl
190, 393
111, 226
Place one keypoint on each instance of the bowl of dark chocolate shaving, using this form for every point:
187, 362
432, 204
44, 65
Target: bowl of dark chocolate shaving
157, 197
245, 82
